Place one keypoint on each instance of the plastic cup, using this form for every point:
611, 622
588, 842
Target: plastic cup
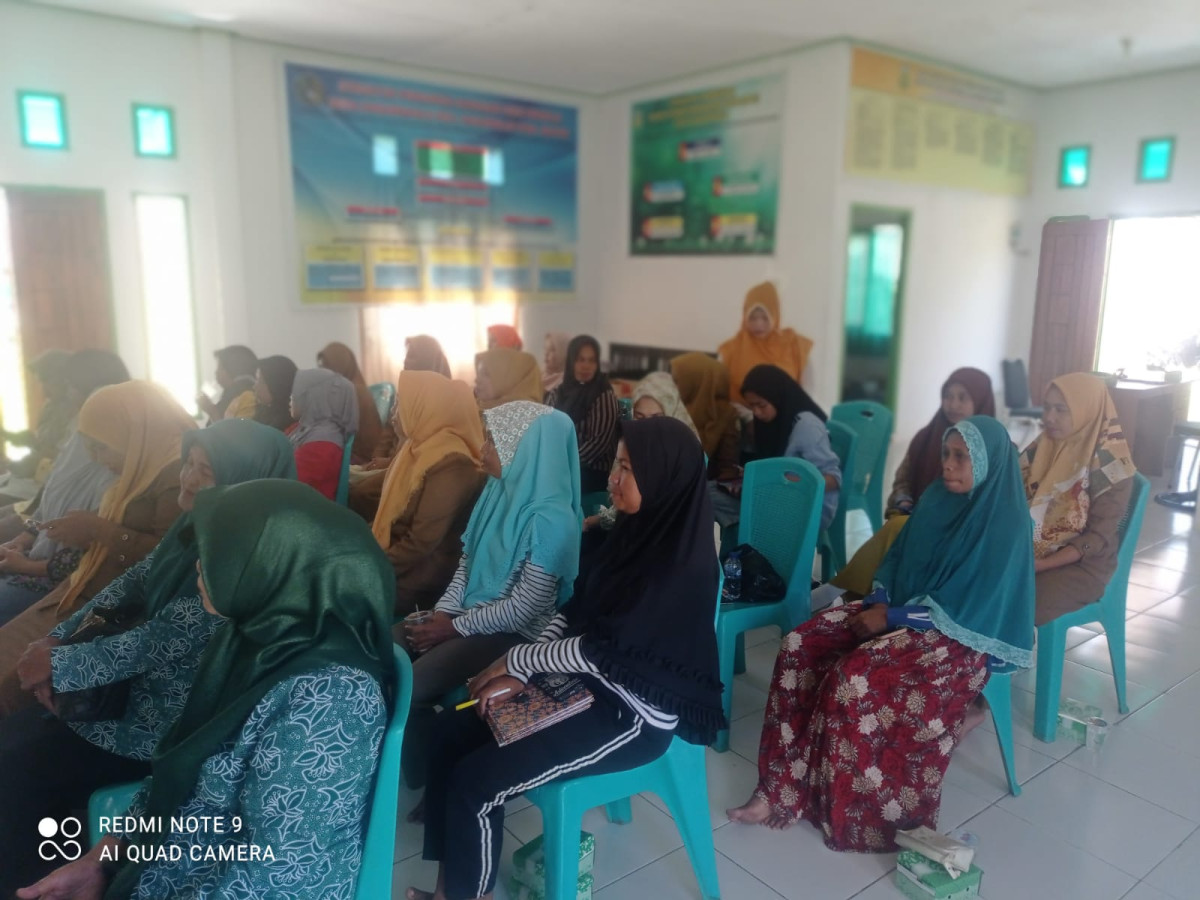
1097, 731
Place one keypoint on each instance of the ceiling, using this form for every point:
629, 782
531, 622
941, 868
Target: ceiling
601, 46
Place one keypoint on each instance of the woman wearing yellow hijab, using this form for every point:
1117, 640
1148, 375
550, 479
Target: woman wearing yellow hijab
431, 486
1078, 479
135, 429
703, 384
503, 375
761, 341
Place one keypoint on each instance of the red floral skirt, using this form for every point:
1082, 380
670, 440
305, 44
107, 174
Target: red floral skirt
858, 736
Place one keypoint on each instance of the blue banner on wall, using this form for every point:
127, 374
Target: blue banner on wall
408, 191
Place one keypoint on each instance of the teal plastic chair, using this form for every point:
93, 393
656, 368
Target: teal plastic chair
384, 395
342, 496
998, 694
1109, 611
678, 776
626, 405
379, 848
872, 423
844, 441
780, 516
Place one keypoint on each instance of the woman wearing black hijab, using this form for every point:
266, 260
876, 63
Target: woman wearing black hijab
788, 422
586, 396
638, 632
273, 392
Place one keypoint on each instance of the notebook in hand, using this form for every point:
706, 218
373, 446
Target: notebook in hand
547, 699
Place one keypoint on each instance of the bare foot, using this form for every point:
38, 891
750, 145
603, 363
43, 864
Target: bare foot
417, 814
778, 822
417, 894
754, 811
976, 713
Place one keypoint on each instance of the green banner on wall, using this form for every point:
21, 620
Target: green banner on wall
704, 171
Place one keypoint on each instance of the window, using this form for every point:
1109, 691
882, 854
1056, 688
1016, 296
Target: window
386, 155
153, 131
1154, 159
1073, 167
167, 293
43, 120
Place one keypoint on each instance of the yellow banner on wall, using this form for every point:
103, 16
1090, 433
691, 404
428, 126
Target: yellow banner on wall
909, 121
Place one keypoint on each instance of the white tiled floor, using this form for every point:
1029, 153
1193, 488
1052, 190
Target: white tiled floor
1120, 824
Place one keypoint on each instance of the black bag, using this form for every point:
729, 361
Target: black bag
760, 582
105, 701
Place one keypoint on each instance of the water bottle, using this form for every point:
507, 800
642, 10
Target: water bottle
732, 592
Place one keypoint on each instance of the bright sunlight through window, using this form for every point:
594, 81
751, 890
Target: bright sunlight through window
167, 294
13, 414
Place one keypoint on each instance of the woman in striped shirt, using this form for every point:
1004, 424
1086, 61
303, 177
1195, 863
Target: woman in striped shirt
638, 632
586, 396
520, 558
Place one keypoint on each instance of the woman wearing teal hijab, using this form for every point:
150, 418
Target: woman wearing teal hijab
520, 558
49, 767
868, 700
283, 726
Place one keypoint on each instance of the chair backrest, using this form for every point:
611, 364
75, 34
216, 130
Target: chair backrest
384, 395
1127, 537
872, 423
780, 518
626, 404
1016, 383
343, 487
379, 849
844, 441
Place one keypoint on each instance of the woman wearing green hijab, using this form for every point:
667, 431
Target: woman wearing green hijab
868, 700
281, 733
49, 767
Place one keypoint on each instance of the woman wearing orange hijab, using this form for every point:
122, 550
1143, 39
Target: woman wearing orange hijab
337, 357
504, 336
762, 342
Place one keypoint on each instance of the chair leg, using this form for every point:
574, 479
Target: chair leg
726, 651
620, 812
1114, 629
837, 537
739, 657
827, 566
686, 795
1052, 648
560, 825
998, 694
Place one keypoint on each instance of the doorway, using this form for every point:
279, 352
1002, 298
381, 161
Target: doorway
875, 264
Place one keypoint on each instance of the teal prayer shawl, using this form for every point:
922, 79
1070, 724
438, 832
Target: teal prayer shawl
533, 511
969, 557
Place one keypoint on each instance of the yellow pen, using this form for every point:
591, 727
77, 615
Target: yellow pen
490, 696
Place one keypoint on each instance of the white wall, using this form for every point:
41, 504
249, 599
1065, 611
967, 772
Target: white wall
1114, 117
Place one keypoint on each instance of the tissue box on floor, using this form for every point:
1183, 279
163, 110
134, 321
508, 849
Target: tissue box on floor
519, 891
529, 866
920, 879
1072, 719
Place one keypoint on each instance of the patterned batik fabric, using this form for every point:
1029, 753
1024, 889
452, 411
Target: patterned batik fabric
857, 737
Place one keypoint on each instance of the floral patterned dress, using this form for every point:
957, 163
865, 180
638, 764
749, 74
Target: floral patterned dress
857, 736
298, 776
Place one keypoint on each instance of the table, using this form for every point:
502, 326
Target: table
1148, 411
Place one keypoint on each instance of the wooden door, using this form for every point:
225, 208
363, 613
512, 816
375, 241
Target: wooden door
60, 271
1070, 297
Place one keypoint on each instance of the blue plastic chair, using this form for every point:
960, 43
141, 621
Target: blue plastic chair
379, 847
678, 776
872, 423
384, 395
998, 694
780, 516
342, 496
844, 441
1109, 611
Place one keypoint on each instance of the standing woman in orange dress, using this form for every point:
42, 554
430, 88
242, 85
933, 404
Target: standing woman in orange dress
761, 341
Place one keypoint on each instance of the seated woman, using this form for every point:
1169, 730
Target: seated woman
423, 353
868, 701
505, 376
504, 336
337, 357
54, 426
554, 360
273, 392
286, 742
638, 632
236, 366
1078, 479
703, 384
788, 422
520, 558
48, 766
326, 413
762, 342
967, 392
135, 430
586, 396
430, 487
